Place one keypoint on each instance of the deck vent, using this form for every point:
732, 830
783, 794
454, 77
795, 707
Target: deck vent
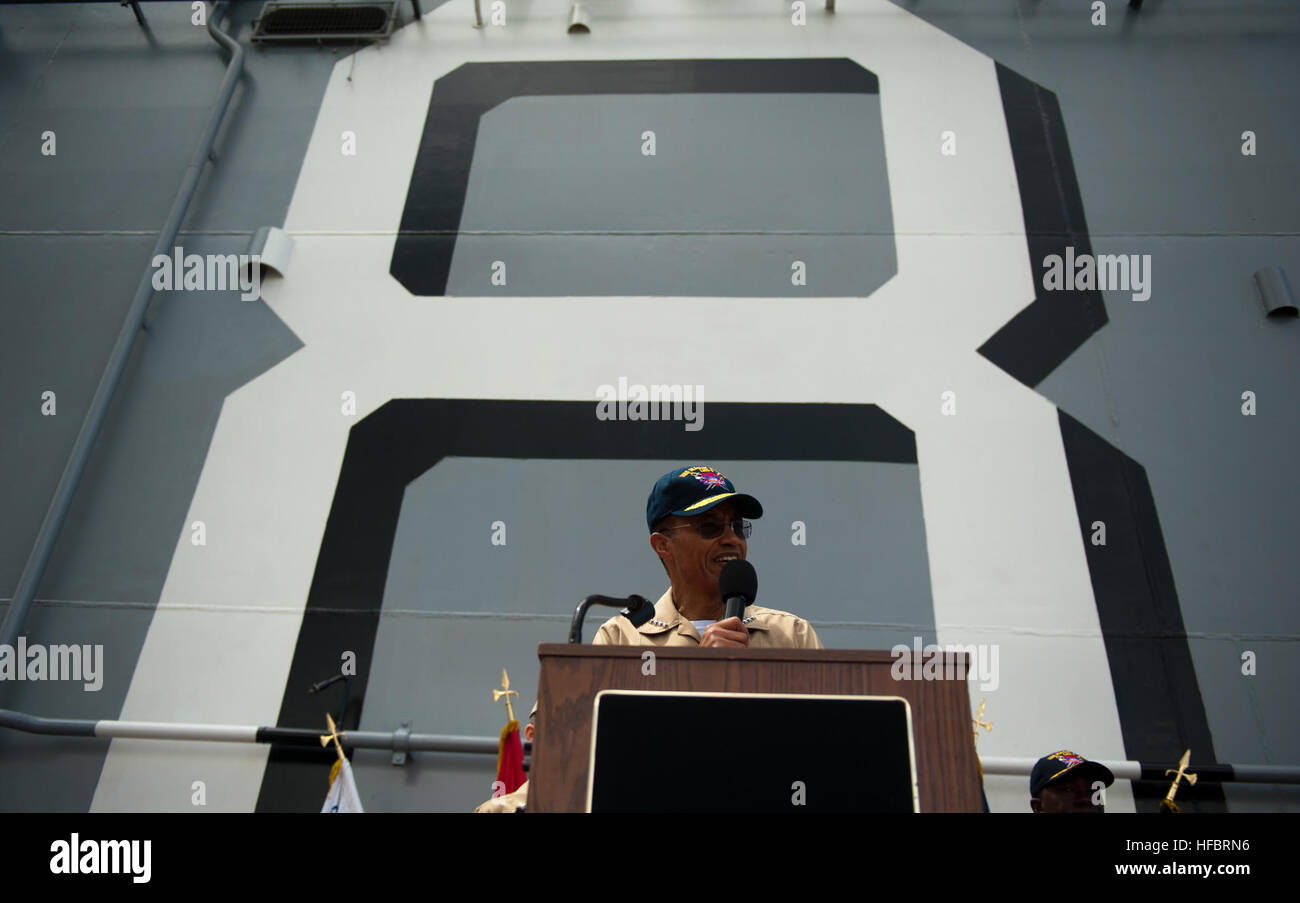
325, 21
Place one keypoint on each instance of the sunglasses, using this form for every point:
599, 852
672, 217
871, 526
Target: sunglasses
712, 529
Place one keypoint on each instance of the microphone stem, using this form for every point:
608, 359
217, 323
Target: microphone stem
575, 626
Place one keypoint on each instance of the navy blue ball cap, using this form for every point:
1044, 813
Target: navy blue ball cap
689, 491
1056, 766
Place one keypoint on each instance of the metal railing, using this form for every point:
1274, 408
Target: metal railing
402, 741
398, 741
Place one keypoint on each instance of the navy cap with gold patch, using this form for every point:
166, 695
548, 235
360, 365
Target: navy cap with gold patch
1055, 766
689, 491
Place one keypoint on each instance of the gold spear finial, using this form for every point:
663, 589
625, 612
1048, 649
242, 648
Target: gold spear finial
1182, 772
332, 736
987, 725
507, 693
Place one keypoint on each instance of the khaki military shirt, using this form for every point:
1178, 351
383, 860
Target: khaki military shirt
768, 629
508, 802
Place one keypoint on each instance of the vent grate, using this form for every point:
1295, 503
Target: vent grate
325, 21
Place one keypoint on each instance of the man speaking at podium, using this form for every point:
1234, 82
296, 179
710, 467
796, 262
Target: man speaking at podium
697, 523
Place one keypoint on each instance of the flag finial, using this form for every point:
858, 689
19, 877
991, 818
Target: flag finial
333, 735
1168, 803
987, 725
507, 693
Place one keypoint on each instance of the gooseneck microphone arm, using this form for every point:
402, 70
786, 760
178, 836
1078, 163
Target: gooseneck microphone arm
637, 609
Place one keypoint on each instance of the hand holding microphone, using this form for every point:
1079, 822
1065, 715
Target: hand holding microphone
738, 585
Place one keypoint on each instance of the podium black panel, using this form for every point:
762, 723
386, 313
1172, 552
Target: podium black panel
748, 752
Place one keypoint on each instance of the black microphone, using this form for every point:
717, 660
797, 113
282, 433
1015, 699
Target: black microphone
738, 584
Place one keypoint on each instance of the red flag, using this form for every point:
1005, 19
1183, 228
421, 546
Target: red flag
510, 759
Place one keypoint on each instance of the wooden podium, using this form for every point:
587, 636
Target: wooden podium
572, 675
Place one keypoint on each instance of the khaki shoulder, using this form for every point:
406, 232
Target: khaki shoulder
791, 629
510, 802
611, 633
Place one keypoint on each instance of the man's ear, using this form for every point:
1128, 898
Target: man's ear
659, 542
1036, 804
529, 732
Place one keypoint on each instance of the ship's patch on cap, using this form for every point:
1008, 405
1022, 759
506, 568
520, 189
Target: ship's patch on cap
689, 491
